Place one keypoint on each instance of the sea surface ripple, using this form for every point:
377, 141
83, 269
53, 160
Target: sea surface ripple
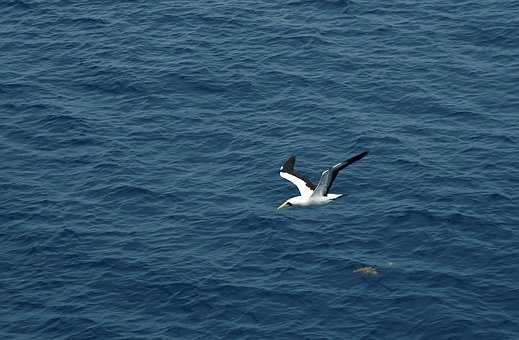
141, 143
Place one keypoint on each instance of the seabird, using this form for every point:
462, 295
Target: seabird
311, 194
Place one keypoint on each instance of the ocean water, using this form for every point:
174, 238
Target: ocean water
140, 148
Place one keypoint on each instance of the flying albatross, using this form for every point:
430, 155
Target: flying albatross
311, 194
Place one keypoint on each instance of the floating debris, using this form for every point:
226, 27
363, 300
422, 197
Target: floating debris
366, 270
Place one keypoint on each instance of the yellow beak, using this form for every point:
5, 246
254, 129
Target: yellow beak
284, 205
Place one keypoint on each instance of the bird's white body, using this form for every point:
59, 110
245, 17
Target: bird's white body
309, 193
303, 201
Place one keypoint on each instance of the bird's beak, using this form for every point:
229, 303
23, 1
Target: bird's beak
284, 205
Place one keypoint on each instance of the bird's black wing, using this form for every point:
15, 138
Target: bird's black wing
329, 175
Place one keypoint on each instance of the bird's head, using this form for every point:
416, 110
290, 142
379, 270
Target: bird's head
286, 204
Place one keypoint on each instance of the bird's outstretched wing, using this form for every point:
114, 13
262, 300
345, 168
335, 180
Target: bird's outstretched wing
305, 186
329, 175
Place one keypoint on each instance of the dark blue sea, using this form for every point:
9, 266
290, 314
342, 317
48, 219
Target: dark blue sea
141, 143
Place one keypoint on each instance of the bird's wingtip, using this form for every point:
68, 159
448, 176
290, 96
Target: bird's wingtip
362, 154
